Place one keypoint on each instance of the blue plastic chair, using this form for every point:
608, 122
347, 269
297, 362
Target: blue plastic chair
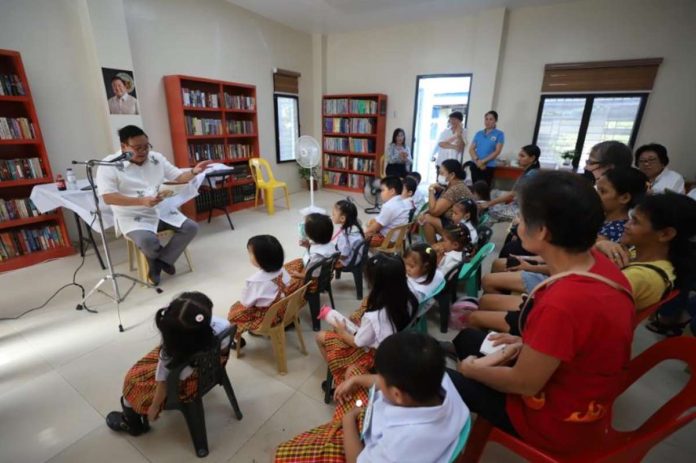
419, 323
461, 443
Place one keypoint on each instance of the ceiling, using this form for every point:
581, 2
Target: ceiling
326, 16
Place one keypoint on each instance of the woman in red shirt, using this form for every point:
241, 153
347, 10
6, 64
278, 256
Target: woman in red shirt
554, 386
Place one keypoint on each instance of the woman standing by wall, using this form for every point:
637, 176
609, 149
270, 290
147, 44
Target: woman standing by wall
485, 148
399, 158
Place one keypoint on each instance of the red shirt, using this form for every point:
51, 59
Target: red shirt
588, 326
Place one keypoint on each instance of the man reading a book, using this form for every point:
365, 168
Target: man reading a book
132, 191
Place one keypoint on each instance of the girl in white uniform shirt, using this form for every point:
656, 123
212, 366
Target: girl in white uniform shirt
456, 247
421, 268
466, 212
387, 310
264, 287
319, 231
345, 214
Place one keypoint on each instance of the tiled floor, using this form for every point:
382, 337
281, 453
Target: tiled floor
61, 370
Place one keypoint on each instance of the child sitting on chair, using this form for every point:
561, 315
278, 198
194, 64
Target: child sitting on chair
394, 211
415, 413
420, 196
466, 212
318, 229
187, 327
263, 288
421, 268
408, 192
455, 248
351, 233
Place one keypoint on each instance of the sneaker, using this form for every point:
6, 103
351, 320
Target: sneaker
167, 268
117, 421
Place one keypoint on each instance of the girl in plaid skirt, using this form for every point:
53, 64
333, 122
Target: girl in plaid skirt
187, 326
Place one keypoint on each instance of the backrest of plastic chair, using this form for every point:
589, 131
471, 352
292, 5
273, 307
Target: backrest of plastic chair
425, 304
257, 166
472, 266
271, 314
360, 254
484, 235
295, 302
461, 443
677, 348
265, 167
648, 311
327, 266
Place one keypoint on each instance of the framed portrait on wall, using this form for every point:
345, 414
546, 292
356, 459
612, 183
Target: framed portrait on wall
120, 91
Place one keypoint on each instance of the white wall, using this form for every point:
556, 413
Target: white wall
214, 39
597, 30
388, 60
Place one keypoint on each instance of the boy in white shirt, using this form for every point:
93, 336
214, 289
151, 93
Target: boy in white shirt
420, 196
394, 211
415, 413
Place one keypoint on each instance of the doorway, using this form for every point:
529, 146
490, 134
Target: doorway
436, 97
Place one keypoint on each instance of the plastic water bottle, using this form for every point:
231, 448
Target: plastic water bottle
70, 180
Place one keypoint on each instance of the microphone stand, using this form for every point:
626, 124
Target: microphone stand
110, 274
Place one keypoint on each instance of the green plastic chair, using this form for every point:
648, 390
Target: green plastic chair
484, 219
419, 323
461, 443
470, 270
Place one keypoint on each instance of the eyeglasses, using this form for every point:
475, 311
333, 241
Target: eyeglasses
648, 161
141, 148
591, 162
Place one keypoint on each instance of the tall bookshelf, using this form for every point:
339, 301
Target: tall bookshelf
213, 119
26, 237
353, 139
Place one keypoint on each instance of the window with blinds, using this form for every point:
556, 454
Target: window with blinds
287, 115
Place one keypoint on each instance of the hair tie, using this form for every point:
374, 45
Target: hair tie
428, 250
200, 317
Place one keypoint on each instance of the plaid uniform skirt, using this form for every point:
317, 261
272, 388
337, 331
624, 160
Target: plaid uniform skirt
342, 356
250, 318
296, 265
323, 444
139, 385
376, 240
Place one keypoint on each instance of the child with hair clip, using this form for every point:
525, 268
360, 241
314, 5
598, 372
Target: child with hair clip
456, 248
388, 309
466, 212
351, 233
413, 413
187, 327
265, 287
318, 230
421, 267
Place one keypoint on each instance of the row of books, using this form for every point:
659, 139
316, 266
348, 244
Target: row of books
11, 84
237, 127
217, 198
345, 105
347, 125
199, 98
13, 209
238, 150
201, 126
355, 145
239, 102
217, 151
343, 179
344, 162
16, 169
16, 128
25, 241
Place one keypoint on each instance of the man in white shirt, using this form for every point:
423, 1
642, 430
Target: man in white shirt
394, 211
122, 102
452, 140
132, 193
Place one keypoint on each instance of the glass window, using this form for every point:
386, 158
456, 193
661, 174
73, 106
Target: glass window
287, 126
559, 127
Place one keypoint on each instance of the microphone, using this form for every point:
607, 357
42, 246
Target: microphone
127, 156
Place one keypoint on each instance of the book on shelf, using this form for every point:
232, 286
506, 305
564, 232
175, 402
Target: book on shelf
13, 209
335, 144
16, 243
199, 98
345, 180
239, 151
363, 106
346, 105
11, 85
361, 145
16, 128
17, 169
206, 151
239, 102
358, 164
240, 127
203, 126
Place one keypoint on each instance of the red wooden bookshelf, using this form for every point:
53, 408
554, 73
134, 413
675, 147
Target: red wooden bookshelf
196, 97
339, 114
13, 107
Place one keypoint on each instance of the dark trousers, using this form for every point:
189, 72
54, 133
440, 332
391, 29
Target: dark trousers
477, 174
398, 170
483, 400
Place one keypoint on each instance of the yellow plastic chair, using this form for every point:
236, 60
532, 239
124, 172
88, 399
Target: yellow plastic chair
276, 331
137, 258
394, 242
257, 166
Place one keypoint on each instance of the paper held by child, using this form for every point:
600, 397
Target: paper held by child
335, 318
487, 346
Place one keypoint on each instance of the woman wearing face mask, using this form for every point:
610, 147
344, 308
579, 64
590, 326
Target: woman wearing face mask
605, 156
450, 182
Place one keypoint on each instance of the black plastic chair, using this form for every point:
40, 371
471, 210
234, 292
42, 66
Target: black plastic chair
211, 372
356, 266
448, 296
323, 285
484, 236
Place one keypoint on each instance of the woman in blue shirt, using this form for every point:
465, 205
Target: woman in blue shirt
485, 148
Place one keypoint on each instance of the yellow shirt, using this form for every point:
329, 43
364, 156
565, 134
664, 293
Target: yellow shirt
648, 286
